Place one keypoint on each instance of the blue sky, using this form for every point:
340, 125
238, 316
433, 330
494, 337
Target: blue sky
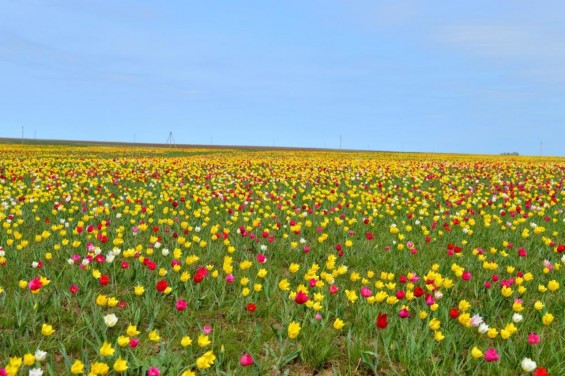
434, 76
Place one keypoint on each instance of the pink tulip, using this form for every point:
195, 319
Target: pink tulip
491, 355
533, 338
35, 284
181, 305
246, 360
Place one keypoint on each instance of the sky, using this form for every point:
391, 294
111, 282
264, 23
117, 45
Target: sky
476, 76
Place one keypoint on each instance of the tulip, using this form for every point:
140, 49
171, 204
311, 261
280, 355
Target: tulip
246, 360
528, 365
491, 355
533, 338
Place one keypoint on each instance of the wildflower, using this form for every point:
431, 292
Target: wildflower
301, 297
434, 324
492, 333
206, 360
203, 340
533, 338
133, 342
246, 360
154, 336
102, 300
200, 274
181, 305
132, 330
40, 355
547, 318
120, 365
476, 353
338, 324
540, 371
404, 312
517, 317
123, 341
476, 320
77, 367
162, 285
351, 295
528, 365
47, 330
382, 321
110, 320
138, 290
107, 349
294, 267
153, 371
491, 355
29, 359
293, 330
99, 368
186, 341
35, 284
553, 285
35, 372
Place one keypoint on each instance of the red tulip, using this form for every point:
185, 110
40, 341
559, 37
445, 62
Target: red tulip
540, 372
35, 284
246, 360
200, 274
162, 285
104, 280
382, 321
301, 297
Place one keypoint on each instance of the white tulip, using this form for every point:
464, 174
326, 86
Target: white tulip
110, 320
528, 365
40, 355
517, 317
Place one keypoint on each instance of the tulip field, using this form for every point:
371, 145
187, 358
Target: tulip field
172, 261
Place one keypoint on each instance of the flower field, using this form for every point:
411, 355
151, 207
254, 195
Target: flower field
156, 261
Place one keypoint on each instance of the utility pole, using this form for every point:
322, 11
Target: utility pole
339, 142
22, 134
541, 148
171, 140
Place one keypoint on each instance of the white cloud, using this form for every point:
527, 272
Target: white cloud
529, 51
